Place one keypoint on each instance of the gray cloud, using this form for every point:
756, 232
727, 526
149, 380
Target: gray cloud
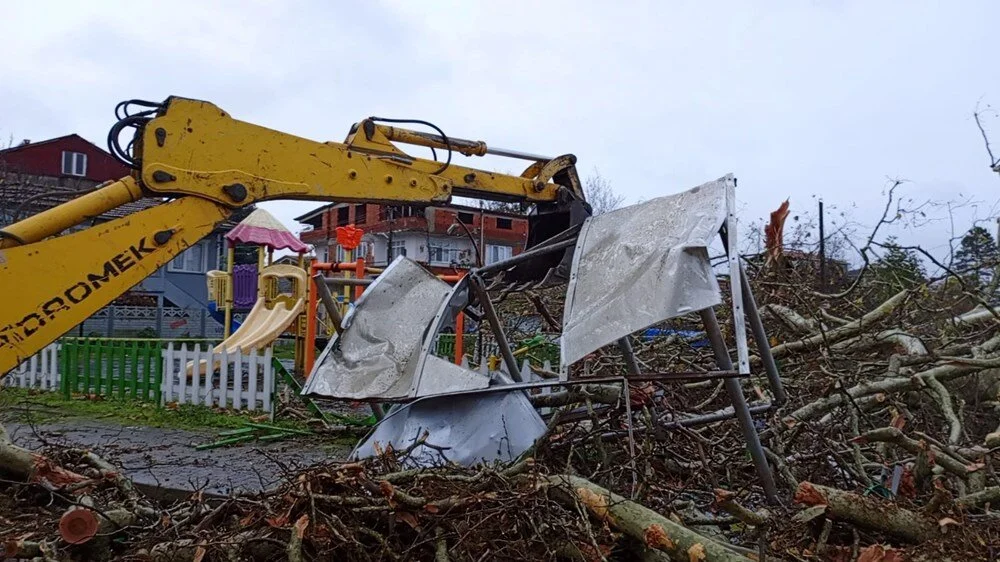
795, 98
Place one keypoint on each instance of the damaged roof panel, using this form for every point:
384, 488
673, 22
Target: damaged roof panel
640, 265
382, 354
384, 333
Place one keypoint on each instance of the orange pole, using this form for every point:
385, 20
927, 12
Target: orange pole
347, 275
459, 334
359, 272
311, 310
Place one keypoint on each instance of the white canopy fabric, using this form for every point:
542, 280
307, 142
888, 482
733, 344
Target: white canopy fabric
643, 264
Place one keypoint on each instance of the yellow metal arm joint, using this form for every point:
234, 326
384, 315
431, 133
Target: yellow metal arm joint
193, 147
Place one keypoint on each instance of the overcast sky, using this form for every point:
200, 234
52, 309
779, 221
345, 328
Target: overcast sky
796, 98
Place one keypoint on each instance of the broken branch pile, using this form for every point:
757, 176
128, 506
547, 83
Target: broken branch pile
885, 450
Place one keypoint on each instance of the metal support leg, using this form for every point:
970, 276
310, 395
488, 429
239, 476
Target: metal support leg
631, 365
491, 317
331, 308
760, 338
328, 303
740, 406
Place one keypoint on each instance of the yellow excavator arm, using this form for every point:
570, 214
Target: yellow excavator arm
210, 164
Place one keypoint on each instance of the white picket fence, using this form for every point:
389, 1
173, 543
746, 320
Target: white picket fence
241, 381
41, 371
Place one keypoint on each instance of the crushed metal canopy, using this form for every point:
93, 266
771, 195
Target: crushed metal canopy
467, 430
381, 353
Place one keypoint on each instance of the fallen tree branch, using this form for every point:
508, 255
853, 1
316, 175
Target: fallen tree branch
726, 501
31, 467
943, 398
942, 372
978, 499
978, 315
792, 319
16, 549
294, 551
896, 437
642, 524
602, 393
907, 343
843, 332
868, 512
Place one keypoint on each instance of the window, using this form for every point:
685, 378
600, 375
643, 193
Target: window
442, 253
404, 211
323, 255
359, 252
192, 260
360, 214
362, 250
497, 253
398, 248
466, 218
74, 163
343, 216
505, 224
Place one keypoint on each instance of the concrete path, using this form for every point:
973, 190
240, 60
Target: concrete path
165, 458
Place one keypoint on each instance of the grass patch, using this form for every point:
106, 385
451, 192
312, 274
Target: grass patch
51, 406
283, 350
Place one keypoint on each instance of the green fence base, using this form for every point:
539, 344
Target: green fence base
113, 368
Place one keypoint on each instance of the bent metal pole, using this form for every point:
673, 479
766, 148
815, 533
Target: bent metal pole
735, 391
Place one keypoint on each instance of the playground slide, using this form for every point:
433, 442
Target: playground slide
220, 315
259, 328
262, 326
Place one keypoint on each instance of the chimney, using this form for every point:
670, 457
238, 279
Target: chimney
25, 142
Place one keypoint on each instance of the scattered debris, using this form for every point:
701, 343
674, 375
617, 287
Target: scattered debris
253, 432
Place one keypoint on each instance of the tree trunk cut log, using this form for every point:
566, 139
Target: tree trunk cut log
642, 524
869, 512
22, 464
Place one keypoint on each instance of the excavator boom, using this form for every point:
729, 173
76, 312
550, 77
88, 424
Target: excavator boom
210, 164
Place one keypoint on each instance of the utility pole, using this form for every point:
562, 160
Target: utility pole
822, 250
482, 236
482, 262
388, 246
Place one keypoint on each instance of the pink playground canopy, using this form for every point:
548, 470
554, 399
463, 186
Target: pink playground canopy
261, 228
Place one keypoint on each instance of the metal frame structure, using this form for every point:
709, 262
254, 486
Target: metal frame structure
470, 296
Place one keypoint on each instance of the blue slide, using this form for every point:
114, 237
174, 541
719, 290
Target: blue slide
220, 316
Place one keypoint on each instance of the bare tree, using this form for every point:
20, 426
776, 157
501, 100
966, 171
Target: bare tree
978, 115
600, 194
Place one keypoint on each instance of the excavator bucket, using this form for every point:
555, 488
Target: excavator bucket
550, 220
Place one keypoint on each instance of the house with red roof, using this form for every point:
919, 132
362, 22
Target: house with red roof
172, 303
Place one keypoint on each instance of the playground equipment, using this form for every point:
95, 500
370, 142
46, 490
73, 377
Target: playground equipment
273, 313
273, 310
260, 229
